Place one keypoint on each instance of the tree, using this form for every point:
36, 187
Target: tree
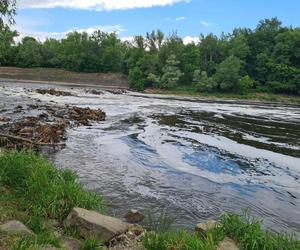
203, 82
227, 74
136, 79
29, 53
8, 10
171, 74
6, 41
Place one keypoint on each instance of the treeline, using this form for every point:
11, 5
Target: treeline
264, 59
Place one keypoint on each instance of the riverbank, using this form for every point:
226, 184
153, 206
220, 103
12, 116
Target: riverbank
117, 81
253, 97
41, 196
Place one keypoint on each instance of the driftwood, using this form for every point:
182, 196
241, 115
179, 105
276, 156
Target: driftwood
30, 141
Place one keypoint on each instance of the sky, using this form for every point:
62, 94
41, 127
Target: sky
190, 18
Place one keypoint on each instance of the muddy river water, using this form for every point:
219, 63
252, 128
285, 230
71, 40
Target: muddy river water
193, 158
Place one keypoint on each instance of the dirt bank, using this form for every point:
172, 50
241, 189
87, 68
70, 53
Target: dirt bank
62, 77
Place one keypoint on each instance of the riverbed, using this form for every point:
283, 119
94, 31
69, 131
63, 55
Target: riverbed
187, 156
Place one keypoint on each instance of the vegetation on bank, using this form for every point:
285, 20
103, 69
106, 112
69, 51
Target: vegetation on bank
251, 96
244, 230
37, 193
264, 59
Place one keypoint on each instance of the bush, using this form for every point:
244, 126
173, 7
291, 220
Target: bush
245, 83
136, 79
44, 190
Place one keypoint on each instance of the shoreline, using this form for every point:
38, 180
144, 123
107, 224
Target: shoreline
172, 95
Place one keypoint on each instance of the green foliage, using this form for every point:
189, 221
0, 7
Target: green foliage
268, 54
44, 191
91, 244
136, 79
181, 240
171, 73
29, 53
244, 84
203, 82
228, 73
154, 80
249, 234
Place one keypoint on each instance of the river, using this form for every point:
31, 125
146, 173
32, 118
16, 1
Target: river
192, 158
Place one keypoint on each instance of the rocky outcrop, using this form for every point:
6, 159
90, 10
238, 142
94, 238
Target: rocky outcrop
203, 227
69, 243
227, 244
134, 216
14, 227
90, 223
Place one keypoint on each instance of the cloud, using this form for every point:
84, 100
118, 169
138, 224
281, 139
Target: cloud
206, 24
99, 5
42, 35
181, 18
190, 39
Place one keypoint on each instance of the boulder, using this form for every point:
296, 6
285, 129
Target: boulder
203, 227
69, 243
14, 227
93, 224
134, 216
227, 244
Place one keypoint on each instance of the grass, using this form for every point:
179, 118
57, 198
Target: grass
191, 90
245, 230
36, 192
250, 235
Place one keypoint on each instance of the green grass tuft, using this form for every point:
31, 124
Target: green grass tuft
44, 190
250, 235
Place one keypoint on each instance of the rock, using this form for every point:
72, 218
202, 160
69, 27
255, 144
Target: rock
134, 216
203, 227
69, 243
91, 223
136, 230
227, 244
15, 227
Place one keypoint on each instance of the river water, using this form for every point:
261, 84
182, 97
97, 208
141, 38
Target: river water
192, 158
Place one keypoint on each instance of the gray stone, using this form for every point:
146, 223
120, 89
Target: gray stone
91, 223
134, 216
227, 244
70, 243
15, 227
203, 227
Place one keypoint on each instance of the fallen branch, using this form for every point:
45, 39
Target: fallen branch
31, 142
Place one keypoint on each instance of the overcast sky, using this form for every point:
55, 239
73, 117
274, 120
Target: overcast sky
55, 18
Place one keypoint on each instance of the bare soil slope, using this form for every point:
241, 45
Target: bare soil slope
108, 80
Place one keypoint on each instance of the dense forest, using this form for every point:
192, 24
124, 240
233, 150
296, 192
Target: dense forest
266, 59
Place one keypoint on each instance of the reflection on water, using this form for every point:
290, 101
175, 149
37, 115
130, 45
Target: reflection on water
192, 157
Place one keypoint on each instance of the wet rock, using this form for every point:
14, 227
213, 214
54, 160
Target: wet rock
134, 216
117, 91
4, 119
203, 227
227, 244
15, 227
54, 92
69, 243
94, 92
91, 223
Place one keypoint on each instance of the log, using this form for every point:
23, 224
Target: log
30, 141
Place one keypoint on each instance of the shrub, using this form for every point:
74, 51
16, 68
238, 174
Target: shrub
245, 83
136, 79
